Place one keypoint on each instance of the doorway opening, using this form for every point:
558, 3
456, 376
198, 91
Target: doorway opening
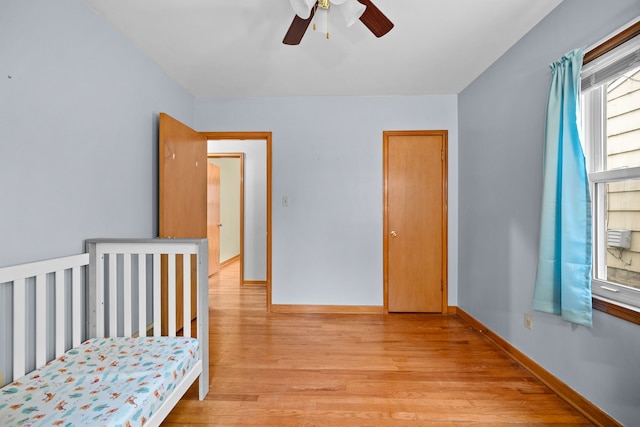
254, 148
231, 208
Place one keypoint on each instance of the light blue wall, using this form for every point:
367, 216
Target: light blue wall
501, 123
78, 130
327, 159
78, 135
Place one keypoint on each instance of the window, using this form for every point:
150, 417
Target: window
611, 124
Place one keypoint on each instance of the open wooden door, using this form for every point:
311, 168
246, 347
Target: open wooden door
182, 194
213, 217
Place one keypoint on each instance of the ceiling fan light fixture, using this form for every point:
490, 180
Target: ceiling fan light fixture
352, 10
302, 8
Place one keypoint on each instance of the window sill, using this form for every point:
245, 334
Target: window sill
616, 309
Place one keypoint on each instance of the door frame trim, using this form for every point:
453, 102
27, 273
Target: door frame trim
445, 210
267, 137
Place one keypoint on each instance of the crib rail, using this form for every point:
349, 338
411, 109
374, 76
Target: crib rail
50, 274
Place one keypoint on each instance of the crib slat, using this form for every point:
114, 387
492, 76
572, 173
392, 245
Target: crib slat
142, 295
157, 308
75, 307
19, 325
171, 295
186, 287
60, 312
127, 295
99, 297
41, 320
202, 328
113, 295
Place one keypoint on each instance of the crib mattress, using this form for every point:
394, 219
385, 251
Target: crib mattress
104, 382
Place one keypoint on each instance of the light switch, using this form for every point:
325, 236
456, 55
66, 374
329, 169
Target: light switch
285, 202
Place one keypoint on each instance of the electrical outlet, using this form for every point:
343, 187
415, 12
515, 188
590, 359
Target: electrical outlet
528, 320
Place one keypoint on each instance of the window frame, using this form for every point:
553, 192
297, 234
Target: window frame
610, 298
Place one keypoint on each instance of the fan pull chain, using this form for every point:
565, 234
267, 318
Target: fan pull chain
325, 5
315, 9
328, 11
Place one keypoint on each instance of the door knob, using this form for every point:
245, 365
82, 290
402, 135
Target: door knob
394, 234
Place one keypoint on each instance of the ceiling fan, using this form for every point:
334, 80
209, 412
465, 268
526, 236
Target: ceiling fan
352, 10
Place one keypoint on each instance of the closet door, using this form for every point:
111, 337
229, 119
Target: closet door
415, 221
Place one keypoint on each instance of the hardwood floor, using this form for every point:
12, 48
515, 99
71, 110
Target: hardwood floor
356, 370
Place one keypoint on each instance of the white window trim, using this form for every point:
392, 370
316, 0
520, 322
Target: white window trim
594, 133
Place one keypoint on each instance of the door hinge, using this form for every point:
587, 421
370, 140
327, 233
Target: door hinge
442, 154
442, 285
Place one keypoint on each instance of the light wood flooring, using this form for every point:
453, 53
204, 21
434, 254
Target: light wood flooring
356, 370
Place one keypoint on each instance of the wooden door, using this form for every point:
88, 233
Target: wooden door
213, 217
182, 196
415, 221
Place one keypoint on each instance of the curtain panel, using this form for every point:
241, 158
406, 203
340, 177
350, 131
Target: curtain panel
563, 279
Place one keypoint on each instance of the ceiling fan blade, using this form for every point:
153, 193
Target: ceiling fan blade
375, 20
297, 29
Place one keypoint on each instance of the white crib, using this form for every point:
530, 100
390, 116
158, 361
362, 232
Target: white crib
112, 290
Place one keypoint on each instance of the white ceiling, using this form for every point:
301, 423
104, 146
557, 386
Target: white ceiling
233, 48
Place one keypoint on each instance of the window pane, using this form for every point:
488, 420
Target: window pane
622, 238
623, 121
622, 199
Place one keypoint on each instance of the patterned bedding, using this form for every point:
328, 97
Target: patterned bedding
104, 382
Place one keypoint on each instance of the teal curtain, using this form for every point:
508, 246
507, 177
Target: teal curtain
563, 280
